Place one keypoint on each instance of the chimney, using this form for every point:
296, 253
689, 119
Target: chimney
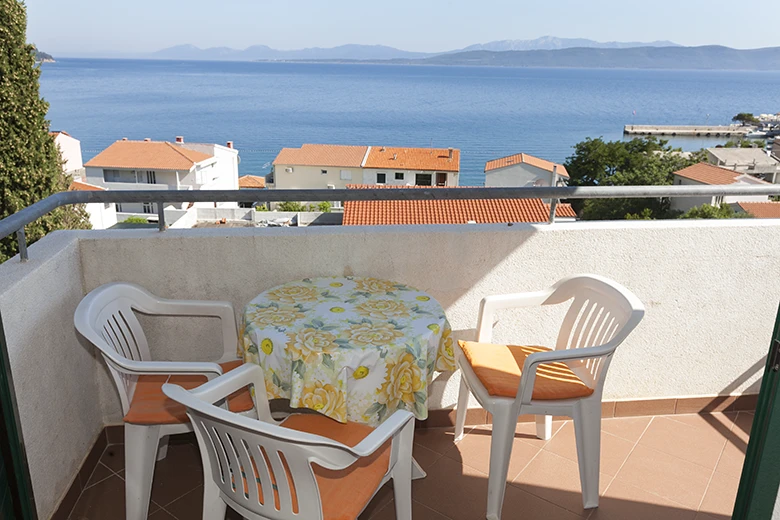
450, 153
147, 139
554, 175
382, 149
230, 144
179, 138
395, 156
124, 139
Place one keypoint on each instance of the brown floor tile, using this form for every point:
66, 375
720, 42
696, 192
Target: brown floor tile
100, 473
704, 404
614, 450
474, 451
162, 514
380, 500
456, 491
520, 504
742, 425
103, 500
701, 444
114, 457
419, 512
189, 505
702, 516
731, 461
607, 409
68, 501
745, 403
628, 428
556, 480
424, 457
527, 432
720, 497
665, 475
623, 501
179, 473
438, 440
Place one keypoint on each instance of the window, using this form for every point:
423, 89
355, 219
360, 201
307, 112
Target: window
151, 177
324, 172
381, 178
107, 205
119, 176
399, 176
148, 207
424, 179
346, 175
118, 207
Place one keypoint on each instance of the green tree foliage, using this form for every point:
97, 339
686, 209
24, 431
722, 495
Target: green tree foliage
708, 211
744, 143
289, 205
638, 162
324, 206
30, 163
136, 220
746, 118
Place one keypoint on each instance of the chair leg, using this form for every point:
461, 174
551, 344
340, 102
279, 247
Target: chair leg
463, 405
544, 427
587, 430
214, 508
162, 449
500, 452
402, 474
141, 444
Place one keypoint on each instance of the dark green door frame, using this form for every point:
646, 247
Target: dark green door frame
760, 480
15, 483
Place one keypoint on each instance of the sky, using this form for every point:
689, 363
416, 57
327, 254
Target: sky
74, 27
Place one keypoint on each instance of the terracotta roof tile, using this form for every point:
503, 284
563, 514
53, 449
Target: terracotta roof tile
524, 158
481, 211
84, 186
323, 155
706, 173
251, 181
762, 209
153, 155
424, 159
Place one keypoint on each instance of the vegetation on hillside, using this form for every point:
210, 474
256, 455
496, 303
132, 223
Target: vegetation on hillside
745, 118
707, 211
30, 163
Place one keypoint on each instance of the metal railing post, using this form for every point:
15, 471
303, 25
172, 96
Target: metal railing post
22, 239
553, 205
161, 217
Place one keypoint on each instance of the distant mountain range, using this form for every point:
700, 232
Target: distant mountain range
382, 52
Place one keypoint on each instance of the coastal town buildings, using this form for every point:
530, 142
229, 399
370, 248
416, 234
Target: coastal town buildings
453, 211
707, 174
522, 169
102, 215
751, 161
759, 209
70, 151
327, 166
147, 164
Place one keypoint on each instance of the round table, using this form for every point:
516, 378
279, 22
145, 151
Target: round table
351, 348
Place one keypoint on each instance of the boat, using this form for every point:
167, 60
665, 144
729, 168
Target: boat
755, 134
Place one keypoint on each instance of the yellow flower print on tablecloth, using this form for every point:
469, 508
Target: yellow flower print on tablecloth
366, 334
272, 316
294, 294
383, 309
326, 399
375, 285
310, 341
445, 361
402, 380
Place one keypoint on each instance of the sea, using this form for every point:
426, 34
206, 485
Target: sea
486, 112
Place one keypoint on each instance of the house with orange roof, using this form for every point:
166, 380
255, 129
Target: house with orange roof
70, 151
162, 165
759, 209
330, 166
451, 211
522, 169
101, 215
707, 174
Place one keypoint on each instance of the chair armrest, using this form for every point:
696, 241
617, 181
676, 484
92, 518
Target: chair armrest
241, 377
490, 304
387, 430
528, 377
128, 366
217, 309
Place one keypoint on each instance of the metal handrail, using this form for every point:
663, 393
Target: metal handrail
15, 223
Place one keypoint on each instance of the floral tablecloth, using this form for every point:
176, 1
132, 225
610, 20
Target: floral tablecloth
351, 348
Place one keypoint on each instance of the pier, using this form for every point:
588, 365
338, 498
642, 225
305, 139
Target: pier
693, 130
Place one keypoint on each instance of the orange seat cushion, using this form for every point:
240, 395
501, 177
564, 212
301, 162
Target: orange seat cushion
499, 367
344, 493
151, 406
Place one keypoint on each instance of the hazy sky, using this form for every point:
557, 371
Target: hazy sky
92, 26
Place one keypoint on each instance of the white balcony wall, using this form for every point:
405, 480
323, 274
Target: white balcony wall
710, 304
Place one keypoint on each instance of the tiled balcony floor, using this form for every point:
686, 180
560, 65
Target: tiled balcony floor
683, 467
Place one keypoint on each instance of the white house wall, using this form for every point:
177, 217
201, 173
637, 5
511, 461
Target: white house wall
517, 175
70, 150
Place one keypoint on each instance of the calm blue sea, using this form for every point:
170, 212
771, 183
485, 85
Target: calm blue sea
486, 112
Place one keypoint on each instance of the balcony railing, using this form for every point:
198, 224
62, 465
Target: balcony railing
16, 222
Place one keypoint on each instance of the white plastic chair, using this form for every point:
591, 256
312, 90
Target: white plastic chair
602, 314
246, 460
106, 318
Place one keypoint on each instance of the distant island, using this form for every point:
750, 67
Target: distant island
42, 57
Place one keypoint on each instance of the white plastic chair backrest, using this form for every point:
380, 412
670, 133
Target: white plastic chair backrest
602, 314
105, 317
275, 458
